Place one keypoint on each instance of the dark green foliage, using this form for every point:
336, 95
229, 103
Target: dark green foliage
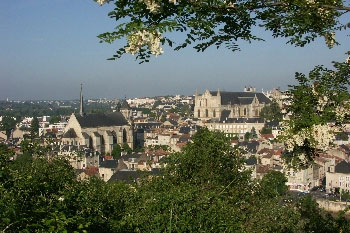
253, 133
203, 189
116, 152
126, 148
34, 127
8, 124
271, 112
247, 136
218, 24
55, 119
185, 110
266, 130
274, 184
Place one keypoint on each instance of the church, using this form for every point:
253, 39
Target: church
101, 131
220, 105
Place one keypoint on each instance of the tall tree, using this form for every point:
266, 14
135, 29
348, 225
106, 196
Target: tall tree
116, 152
8, 124
271, 112
34, 127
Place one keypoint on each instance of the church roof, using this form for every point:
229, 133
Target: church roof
125, 105
109, 163
70, 134
101, 119
230, 98
342, 167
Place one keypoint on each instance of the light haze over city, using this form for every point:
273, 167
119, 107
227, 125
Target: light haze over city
49, 47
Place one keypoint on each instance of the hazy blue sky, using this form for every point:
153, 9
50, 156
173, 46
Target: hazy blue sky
49, 47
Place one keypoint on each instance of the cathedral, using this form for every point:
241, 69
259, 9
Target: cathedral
101, 131
220, 105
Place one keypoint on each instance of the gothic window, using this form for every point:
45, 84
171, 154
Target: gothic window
245, 112
206, 112
214, 113
199, 113
239, 112
206, 102
124, 136
90, 143
256, 112
200, 103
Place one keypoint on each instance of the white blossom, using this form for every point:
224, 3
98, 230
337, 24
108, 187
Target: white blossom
144, 38
347, 60
61, 199
152, 5
319, 136
323, 136
340, 112
101, 2
310, 2
330, 39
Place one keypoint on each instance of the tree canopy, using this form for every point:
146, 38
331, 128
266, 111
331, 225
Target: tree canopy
205, 188
147, 24
272, 112
7, 124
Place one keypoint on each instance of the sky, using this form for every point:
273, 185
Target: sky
49, 47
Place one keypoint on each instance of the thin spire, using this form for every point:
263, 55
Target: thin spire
81, 112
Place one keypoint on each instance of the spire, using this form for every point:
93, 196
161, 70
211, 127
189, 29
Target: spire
81, 112
196, 94
218, 91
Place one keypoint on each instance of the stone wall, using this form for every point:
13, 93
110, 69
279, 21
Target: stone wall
332, 206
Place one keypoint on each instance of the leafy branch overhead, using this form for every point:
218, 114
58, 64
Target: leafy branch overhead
146, 24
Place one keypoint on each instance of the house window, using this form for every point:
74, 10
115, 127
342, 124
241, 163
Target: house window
245, 111
214, 113
206, 112
199, 113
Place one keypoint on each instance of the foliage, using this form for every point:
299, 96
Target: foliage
205, 188
319, 108
159, 147
274, 184
247, 136
55, 119
34, 127
7, 124
185, 110
126, 148
315, 219
148, 24
163, 118
271, 112
266, 130
116, 152
253, 133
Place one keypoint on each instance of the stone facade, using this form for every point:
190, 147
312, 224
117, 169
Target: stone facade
100, 132
221, 105
236, 127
